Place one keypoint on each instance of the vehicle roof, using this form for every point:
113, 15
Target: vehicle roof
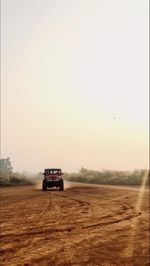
52, 169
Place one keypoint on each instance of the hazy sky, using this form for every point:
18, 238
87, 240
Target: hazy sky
74, 84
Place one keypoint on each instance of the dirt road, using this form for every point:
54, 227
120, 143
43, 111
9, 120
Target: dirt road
84, 225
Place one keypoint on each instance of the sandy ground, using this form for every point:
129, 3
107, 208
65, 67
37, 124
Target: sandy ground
84, 225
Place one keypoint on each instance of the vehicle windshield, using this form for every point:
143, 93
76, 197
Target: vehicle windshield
52, 171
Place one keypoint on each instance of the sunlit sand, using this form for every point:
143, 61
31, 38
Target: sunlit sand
134, 226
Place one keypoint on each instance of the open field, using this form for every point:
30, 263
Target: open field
84, 225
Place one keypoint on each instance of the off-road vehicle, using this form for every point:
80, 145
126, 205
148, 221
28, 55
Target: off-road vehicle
53, 178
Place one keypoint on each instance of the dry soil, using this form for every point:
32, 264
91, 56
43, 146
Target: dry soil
84, 225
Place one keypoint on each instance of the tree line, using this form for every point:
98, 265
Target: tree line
105, 177
108, 177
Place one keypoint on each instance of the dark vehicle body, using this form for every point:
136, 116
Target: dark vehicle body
53, 178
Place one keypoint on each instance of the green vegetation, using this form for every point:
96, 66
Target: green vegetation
9, 178
108, 177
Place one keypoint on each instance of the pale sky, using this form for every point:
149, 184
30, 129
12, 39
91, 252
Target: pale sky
74, 84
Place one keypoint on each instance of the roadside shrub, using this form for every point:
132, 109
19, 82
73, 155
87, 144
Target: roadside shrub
14, 181
108, 177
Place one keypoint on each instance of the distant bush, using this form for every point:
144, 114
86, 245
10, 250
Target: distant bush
15, 181
9, 178
108, 177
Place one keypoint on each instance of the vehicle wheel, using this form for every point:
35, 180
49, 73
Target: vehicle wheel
61, 188
44, 186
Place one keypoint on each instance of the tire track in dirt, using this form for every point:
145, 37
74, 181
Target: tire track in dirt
30, 228
112, 222
82, 203
65, 249
36, 230
75, 227
69, 228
